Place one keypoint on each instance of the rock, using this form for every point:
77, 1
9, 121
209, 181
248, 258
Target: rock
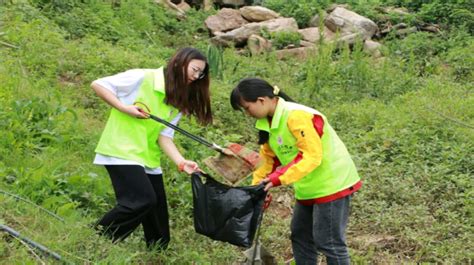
404, 32
240, 35
168, 4
335, 23
225, 20
258, 44
347, 22
310, 34
400, 26
306, 44
433, 28
328, 35
349, 39
258, 13
389, 28
314, 21
184, 6
373, 48
291, 46
207, 4
299, 53
313, 35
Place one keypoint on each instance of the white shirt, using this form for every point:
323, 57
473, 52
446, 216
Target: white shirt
126, 86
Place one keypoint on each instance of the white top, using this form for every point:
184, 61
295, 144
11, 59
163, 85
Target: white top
126, 86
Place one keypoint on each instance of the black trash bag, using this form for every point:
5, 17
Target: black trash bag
226, 213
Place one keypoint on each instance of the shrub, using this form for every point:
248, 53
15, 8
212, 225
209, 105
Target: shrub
281, 39
301, 10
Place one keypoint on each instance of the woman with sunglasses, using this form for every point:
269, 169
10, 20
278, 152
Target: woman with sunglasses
131, 145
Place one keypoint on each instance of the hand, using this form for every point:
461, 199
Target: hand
268, 183
134, 111
189, 167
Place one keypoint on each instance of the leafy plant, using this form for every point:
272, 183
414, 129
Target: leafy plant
281, 39
216, 61
301, 11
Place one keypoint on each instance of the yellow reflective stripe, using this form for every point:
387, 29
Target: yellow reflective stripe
308, 142
266, 168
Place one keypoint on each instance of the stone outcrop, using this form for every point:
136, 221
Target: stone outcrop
233, 27
343, 27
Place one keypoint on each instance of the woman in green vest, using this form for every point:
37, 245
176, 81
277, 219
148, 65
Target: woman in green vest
299, 147
130, 146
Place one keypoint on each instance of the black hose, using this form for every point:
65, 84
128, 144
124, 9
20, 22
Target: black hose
32, 203
30, 242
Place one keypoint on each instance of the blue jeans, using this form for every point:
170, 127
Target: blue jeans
320, 228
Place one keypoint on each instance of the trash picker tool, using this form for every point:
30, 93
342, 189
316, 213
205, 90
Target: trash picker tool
234, 163
192, 136
257, 254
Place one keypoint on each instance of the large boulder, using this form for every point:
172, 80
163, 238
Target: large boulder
348, 22
239, 36
225, 20
258, 13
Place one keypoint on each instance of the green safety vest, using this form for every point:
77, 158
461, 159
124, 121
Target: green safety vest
336, 172
135, 139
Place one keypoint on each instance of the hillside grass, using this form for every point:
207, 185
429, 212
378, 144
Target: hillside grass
407, 120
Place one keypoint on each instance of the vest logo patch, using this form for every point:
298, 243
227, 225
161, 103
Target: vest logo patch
280, 140
286, 149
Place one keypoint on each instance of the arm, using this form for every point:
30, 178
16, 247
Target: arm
303, 128
113, 101
268, 164
170, 149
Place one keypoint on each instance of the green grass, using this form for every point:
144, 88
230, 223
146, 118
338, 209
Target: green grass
407, 120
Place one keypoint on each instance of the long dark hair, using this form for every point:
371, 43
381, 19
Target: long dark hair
193, 98
250, 89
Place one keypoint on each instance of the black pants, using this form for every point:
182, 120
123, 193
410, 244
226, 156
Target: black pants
141, 199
